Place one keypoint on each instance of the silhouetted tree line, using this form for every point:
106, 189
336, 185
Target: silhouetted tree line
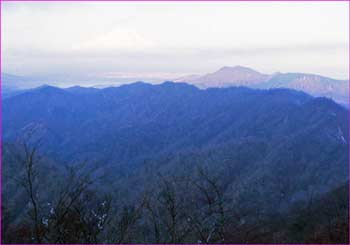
190, 209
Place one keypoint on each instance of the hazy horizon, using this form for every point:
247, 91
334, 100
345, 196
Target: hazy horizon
166, 40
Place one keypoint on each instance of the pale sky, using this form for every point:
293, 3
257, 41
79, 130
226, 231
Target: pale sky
170, 39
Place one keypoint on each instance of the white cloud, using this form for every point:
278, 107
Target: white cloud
174, 37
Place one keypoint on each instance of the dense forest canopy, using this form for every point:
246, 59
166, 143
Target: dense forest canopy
172, 163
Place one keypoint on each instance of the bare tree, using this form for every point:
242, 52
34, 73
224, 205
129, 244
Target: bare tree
211, 214
167, 210
29, 180
77, 214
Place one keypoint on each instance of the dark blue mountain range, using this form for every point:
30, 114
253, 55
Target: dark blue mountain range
272, 146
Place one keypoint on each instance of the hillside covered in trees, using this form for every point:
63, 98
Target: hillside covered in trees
172, 163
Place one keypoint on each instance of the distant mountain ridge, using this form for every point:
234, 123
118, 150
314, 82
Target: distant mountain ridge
236, 76
316, 85
230, 76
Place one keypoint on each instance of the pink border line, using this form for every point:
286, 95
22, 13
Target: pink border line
162, 1
349, 126
0, 127
174, 0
